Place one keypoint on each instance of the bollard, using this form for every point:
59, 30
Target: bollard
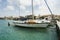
8, 24
58, 31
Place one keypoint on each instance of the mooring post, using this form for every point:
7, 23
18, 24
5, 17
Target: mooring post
8, 24
58, 31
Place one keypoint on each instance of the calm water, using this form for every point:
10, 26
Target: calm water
18, 33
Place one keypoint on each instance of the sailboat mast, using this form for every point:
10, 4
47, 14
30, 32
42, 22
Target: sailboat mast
19, 9
49, 9
32, 11
19, 12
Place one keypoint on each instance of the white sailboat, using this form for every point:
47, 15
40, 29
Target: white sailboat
32, 22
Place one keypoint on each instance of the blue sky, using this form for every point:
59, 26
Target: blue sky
23, 7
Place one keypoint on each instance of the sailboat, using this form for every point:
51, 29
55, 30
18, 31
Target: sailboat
32, 22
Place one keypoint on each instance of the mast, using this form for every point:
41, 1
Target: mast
32, 11
19, 11
49, 9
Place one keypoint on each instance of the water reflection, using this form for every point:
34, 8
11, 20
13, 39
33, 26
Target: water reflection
42, 30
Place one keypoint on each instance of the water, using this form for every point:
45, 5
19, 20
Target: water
18, 33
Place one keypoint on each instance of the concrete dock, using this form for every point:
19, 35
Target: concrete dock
58, 23
58, 29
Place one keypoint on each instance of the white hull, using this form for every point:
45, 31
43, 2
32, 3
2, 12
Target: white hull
32, 25
22, 24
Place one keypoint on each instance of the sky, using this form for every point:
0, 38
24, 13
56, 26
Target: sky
24, 7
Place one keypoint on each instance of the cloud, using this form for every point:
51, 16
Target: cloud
25, 2
25, 7
10, 8
22, 7
37, 2
29, 2
0, 0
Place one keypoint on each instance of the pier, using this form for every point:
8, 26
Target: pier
58, 30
